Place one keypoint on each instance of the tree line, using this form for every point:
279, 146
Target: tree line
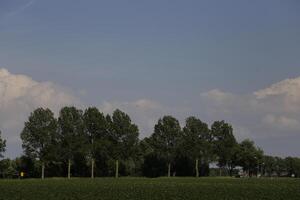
88, 143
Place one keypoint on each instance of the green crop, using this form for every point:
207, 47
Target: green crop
142, 188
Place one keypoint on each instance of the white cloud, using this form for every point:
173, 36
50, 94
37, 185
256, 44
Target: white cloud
266, 115
19, 95
287, 87
268, 112
284, 94
282, 122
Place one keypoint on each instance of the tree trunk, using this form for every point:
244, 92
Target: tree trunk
220, 171
92, 172
69, 168
197, 167
117, 169
43, 170
169, 169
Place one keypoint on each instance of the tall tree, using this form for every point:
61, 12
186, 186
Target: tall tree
71, 130
224, 144
165, 139
249, 156
40, 137
2, 146
123, 136
96, 130
197, 141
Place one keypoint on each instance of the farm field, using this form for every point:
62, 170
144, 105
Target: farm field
142, 188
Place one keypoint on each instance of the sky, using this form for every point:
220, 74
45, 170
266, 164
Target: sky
236, 60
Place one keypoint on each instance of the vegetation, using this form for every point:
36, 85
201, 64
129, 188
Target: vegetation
89, 144
141, 188
2, 146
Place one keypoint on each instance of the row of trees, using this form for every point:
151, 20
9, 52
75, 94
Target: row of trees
89, 143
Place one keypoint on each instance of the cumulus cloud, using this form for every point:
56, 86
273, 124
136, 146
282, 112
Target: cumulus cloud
284, 94
270, 115
19, 95
281, 122
269, 112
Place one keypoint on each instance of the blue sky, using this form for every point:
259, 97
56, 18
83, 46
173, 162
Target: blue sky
168, 53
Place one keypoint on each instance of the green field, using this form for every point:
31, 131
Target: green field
142, 188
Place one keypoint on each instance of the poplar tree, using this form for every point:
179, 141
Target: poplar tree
39, 136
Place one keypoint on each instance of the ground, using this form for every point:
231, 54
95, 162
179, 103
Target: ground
142, 188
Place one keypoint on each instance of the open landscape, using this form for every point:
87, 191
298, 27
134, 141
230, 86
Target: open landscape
152, 189
149, 100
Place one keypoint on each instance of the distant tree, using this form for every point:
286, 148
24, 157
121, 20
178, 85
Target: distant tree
293, 166
280, 166
2, 146
197, 141
39, 136
269, 165
72, 138
224, 144
250, 157
96, 130
124, 138
8, 168
166, 138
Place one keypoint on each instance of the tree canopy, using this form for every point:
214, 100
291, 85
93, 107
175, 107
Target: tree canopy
90, 143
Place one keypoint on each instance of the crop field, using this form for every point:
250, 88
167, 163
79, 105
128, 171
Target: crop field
142, 188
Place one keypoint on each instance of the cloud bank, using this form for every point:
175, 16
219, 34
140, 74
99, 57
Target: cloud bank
19, 95
270, 116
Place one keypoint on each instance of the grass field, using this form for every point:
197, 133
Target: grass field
141, 188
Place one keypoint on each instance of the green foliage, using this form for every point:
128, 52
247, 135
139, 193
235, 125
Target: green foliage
224, 143
39, 135
166, 137
123, 136
293, 166
154, 189
249, 156
197, 141
96, 130
89, 143
71, 132
2, 146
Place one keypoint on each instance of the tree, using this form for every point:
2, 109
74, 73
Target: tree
249, 156
197, 141
280, 166
96, 130
224, 144
39, 136
165, 139
2, 146
293, 166
2, 150
269, 165
71, 130
124, 138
